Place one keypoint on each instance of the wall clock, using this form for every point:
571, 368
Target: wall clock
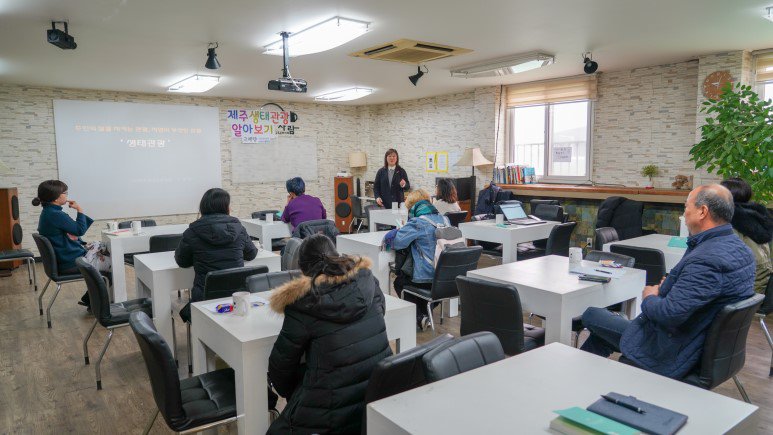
714, 82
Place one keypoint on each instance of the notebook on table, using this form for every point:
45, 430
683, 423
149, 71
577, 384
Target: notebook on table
654, 419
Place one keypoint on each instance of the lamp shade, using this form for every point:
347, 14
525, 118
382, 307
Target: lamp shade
473, 157
358, 159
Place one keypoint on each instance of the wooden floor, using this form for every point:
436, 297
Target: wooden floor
46, 388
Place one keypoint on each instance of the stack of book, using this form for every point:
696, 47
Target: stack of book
514, 174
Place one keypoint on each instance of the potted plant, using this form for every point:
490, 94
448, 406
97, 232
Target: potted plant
737, 139
650, 171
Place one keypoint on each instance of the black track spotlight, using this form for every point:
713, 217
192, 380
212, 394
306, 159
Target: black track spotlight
419, 73
590, 65
212, 62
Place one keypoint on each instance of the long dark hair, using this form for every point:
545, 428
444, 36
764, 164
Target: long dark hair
215, 200
739, 188
446, 190
318, 256
49, 191
387, 153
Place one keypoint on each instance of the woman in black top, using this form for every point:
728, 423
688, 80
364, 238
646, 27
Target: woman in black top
391, 181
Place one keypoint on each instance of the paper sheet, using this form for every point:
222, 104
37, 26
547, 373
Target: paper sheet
255, 300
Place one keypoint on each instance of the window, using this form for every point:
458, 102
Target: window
764, 74
554, 138
767, 90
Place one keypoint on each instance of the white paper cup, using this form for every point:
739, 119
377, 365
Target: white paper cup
575, 259
136, 227
395, 205
241, 303
269, 217
500, 219
112, 226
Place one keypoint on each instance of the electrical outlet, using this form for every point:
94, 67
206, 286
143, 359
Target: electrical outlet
589, 242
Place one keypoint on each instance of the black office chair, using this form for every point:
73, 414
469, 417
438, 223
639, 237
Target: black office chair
461, 355
557, 244
261, 214
291, 253
188, 405
24, 255
547, 212
128, 259
219, 284
623, 214
48, 257
318, 226
765, 309
534, 203
358, 214
379, 227
605, 235
270, 280
456, 217
495, 307
724, 351
650, 260
110, 316
160, 243
451, 263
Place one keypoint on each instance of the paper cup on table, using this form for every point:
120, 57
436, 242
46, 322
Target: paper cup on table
136, 227
269, 217
241, 303
395, 205
575, 259
112, 226
500, 219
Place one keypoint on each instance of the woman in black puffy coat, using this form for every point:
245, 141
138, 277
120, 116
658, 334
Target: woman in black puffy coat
334, 322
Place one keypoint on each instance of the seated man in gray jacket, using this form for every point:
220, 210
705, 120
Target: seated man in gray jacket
717, 269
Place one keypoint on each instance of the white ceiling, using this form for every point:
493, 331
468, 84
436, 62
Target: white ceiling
147, 45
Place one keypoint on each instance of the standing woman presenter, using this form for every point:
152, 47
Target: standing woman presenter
391, 181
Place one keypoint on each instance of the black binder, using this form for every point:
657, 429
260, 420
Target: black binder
655, 420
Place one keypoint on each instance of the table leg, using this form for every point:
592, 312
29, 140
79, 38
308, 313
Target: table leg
251, 389
558, 328
401, 325
509, 252
119, 272
162, 309
371, 225
633, 307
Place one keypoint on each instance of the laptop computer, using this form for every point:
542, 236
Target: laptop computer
514, 214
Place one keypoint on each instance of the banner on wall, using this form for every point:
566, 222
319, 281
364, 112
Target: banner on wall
257, 126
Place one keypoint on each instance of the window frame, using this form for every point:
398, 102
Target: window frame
547, 178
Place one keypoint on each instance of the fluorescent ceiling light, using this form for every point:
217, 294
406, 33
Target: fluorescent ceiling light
504, 66
195, 83
345, 94
320, 37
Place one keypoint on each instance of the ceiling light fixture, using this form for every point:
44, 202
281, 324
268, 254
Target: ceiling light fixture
769, 14
345, 94
590, 66
415, 78
320, 37
195, 83
505, 66
212, 62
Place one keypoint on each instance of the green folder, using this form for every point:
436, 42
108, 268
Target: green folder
678, 242
596, 422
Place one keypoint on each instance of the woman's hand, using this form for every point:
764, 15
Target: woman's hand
402, 183
76, 206
379, 202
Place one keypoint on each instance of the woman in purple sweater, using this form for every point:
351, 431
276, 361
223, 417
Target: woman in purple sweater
301, 207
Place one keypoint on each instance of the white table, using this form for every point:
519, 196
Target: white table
519, 395
509, 236
120, 245
546, 287
386, 216
369, 245
266, 232
158, 275
654, 241
245, 344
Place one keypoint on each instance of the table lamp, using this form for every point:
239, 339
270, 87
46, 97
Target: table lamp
358, 159
473, 157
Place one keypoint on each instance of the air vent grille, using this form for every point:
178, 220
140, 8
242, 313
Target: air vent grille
410, 51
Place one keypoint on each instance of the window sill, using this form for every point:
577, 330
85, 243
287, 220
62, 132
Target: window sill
671, 196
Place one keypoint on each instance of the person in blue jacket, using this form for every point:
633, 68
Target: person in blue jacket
64, 233
717, 269
418, 234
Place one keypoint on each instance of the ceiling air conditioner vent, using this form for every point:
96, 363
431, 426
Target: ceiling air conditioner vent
410, 51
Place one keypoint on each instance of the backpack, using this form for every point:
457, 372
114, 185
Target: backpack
446, 237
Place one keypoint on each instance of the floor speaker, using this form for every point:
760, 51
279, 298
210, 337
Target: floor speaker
10, 227
343, 191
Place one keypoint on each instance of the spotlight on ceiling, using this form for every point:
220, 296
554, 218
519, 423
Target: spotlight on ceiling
590, 65
415, 78
769, 13
212, 62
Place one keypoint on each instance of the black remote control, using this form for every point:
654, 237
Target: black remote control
594, 278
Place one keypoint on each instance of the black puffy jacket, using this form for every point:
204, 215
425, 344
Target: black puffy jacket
339, 329
213, 242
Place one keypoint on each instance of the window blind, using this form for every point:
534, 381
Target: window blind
552, 91
765, 67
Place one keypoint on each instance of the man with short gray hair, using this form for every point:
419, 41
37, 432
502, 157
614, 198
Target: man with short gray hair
717, 269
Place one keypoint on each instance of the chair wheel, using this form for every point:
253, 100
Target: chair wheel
49, 325
87, 360
41, 311
190, 369
99, 385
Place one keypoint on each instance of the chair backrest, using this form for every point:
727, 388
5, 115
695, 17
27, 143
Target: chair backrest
534, 203
144, 223
767, 306
456, 217
165, 242
99, 298
621, 259
357, 211
291, 253
605, 235
262, 214
317, 226
224, 283
271, 280
401, 372
47, 255
452, 263
462, 354
549, 212
623, 214
559, 238
650, 260
724, 351
493, 307
162, 369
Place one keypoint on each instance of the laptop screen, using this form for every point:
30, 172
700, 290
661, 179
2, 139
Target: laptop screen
513, 211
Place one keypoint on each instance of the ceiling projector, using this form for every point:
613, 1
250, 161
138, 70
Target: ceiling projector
61, 39
286, 83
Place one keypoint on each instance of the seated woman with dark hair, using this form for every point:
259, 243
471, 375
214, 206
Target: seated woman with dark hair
445, 197
753, 224
215, 241
334, 321
301, 207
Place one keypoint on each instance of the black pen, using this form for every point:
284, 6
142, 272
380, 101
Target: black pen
623, 404
603, 271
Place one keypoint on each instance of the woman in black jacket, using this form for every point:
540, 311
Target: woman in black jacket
334, 317
215, 241
391, 181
